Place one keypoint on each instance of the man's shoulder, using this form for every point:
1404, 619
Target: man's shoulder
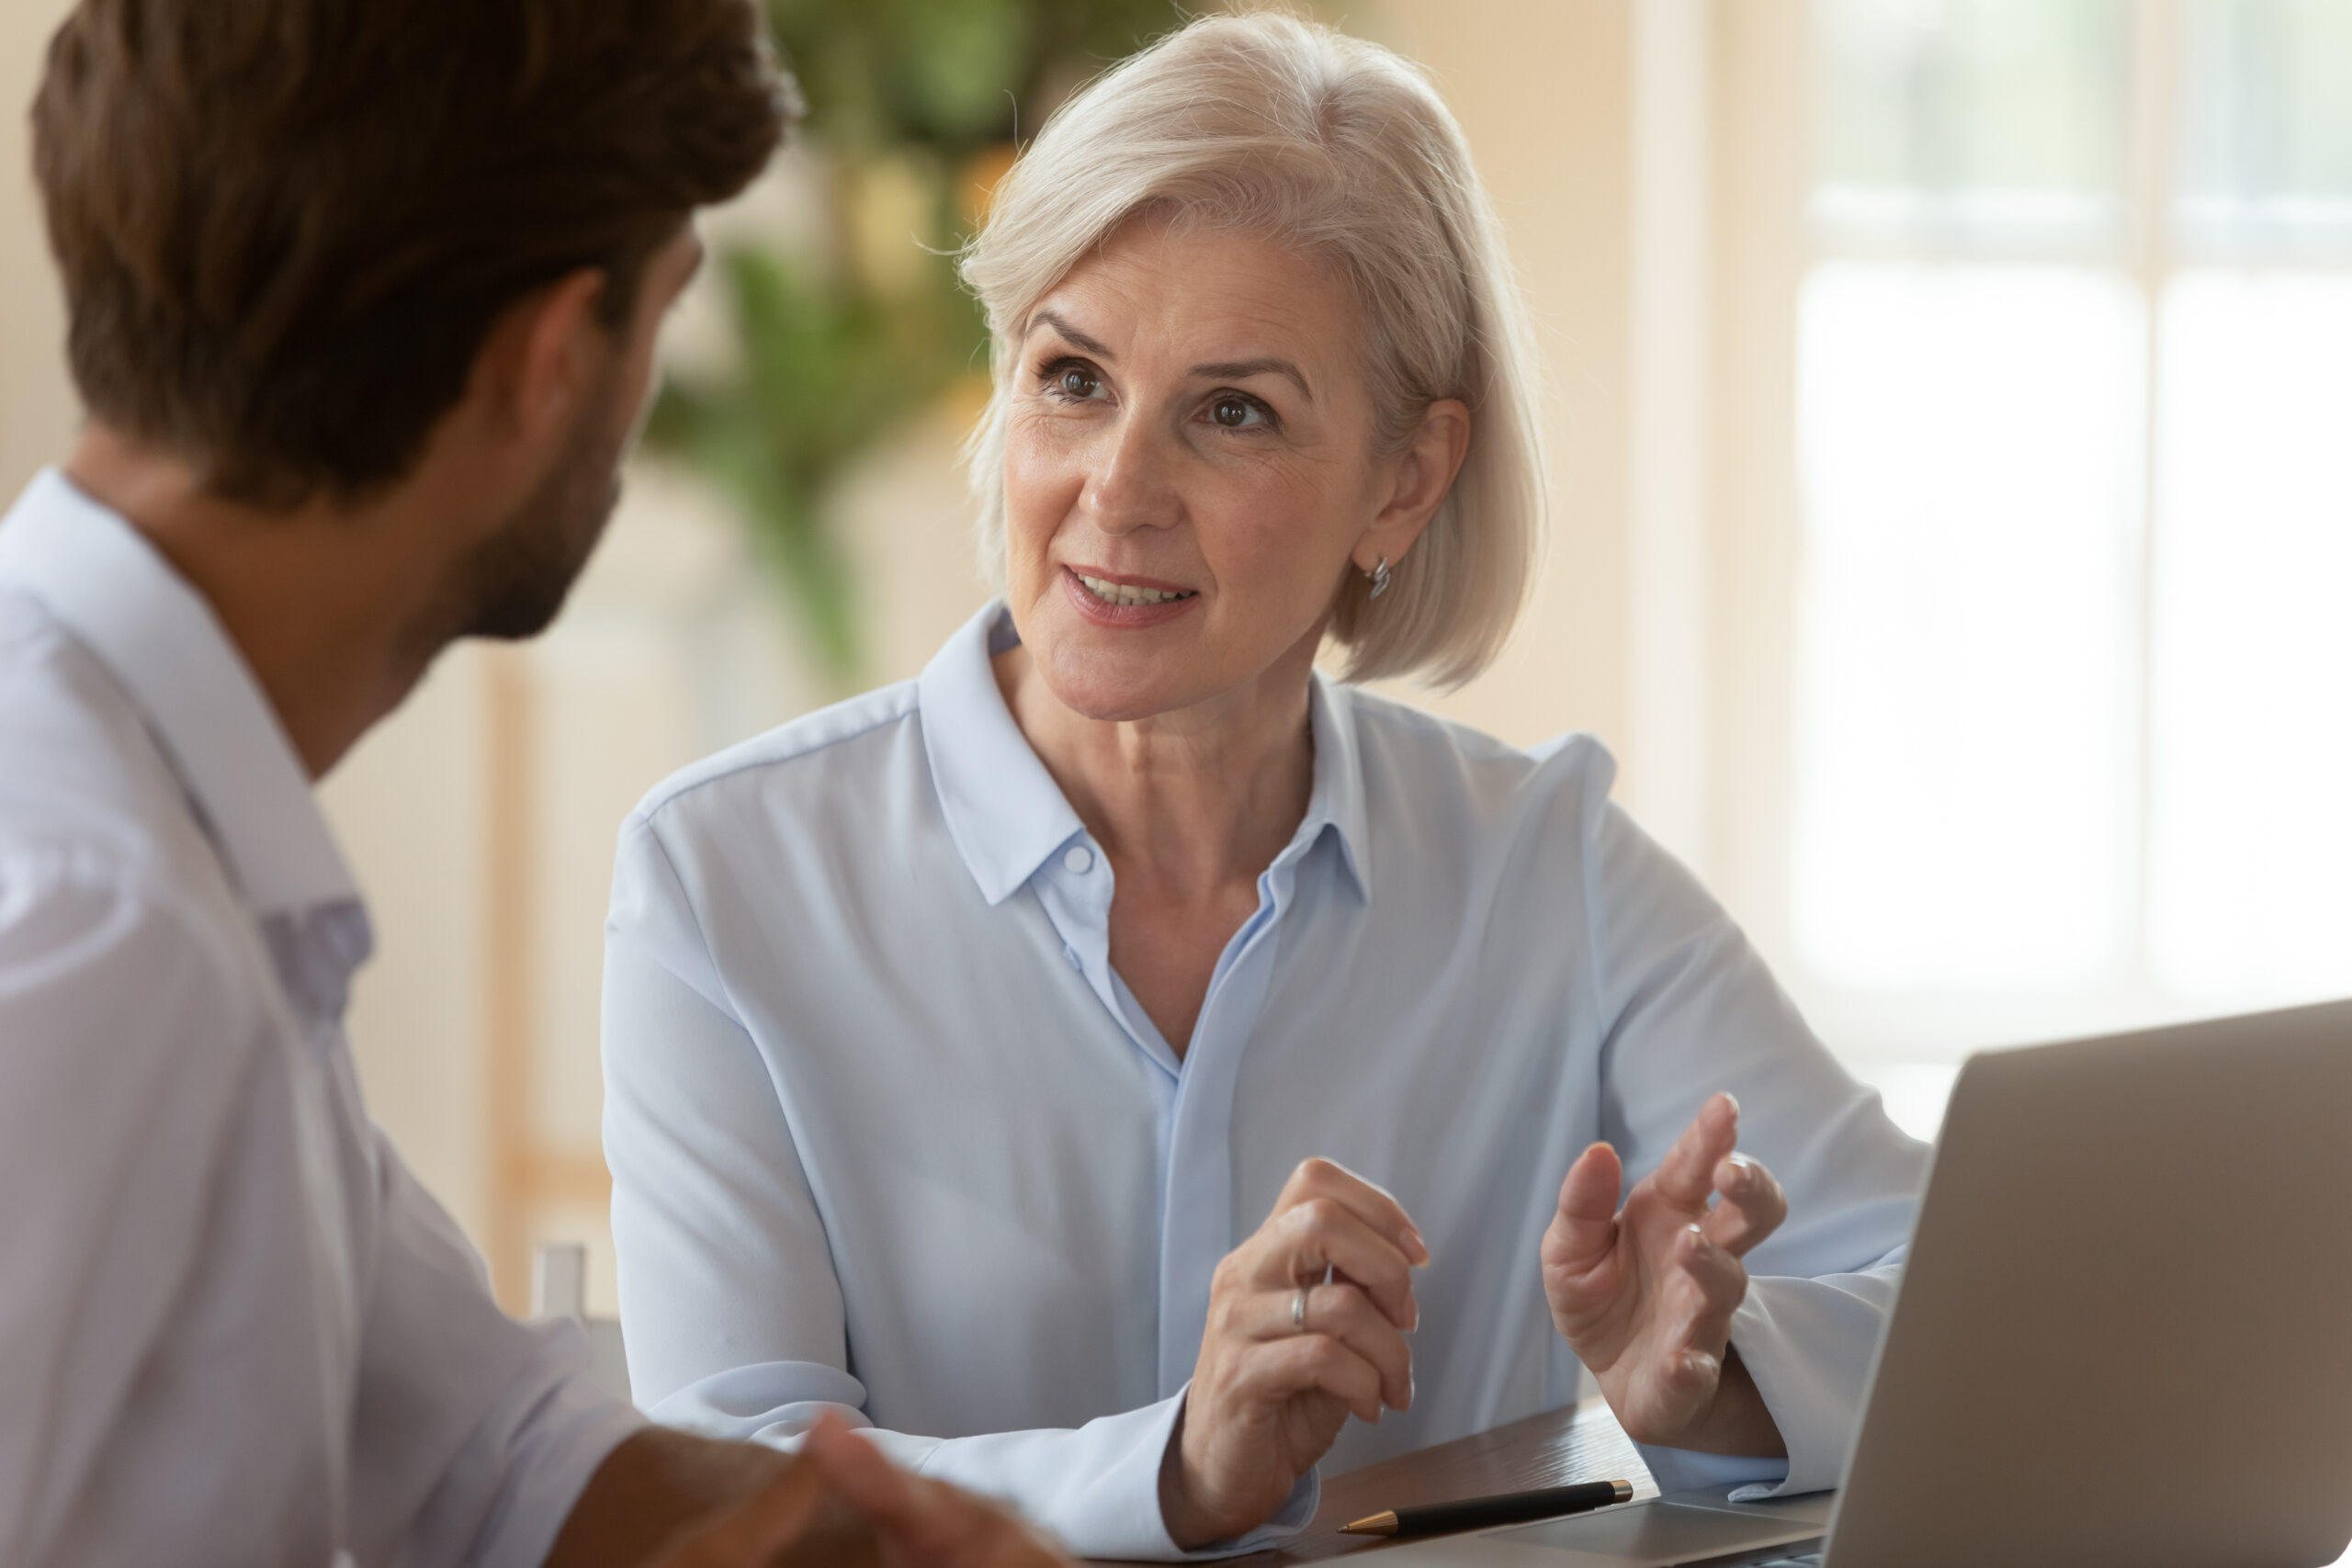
84, 790
858, 743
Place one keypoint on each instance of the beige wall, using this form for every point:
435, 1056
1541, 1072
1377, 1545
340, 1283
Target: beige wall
1543, 95
1630, 146
36, 405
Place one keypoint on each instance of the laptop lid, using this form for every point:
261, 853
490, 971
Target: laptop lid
2124, 1332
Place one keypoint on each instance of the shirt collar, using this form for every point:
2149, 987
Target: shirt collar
1003, 810
1336, 801
1006, 815
157, 636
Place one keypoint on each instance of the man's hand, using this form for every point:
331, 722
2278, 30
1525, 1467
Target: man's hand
1645, 1293
839, 1504
1307, 1324
754, 1534
922, 1523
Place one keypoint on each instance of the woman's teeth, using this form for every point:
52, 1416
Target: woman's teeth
1123, 593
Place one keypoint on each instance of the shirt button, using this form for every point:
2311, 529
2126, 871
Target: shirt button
1079, 860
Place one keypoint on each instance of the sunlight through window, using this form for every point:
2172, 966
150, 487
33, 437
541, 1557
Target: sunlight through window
2075, 426
1967, 458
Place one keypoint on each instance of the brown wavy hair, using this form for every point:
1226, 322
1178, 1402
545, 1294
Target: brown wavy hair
287, 226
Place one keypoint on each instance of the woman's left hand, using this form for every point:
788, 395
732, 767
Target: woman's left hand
1645, 1292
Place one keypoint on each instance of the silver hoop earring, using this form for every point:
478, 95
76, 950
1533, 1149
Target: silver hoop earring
1379, 575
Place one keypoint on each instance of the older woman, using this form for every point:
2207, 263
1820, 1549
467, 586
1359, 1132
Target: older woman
959, 1039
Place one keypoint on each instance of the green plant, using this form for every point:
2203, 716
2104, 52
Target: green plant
914, 107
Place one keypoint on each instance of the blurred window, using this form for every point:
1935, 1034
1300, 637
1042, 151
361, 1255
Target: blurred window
2075, 424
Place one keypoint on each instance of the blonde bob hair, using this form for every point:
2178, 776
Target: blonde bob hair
1336, 148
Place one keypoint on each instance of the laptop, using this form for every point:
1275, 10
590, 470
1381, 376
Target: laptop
2124, 1335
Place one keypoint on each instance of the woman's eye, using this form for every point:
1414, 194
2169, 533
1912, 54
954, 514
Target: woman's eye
1236, 413
1075, 383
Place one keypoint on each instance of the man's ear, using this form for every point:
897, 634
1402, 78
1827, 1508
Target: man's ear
542, 354
1424, 474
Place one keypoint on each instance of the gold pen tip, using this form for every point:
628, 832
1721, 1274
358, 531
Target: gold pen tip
1374, 1523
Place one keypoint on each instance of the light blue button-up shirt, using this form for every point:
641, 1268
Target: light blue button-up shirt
234, 1328
889, 1136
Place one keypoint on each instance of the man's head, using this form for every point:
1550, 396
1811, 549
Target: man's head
302, 238
560, 423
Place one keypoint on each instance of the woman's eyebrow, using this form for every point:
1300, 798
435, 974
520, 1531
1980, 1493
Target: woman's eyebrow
1217, 370
1075, 338
1242, 369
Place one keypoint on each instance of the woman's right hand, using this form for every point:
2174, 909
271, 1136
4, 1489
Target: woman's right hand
1274, 1384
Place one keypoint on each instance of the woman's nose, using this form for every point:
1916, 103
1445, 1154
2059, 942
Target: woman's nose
1132, 487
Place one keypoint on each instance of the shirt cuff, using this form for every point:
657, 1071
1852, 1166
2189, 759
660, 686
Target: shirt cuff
1808, 1344
1095, 1487
1107, 1504
1292, 1517
1684, 1470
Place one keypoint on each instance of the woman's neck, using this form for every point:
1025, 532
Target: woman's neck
1184, 803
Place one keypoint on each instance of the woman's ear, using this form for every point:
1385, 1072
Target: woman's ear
1424, 473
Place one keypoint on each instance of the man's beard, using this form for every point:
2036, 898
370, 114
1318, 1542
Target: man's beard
511, 585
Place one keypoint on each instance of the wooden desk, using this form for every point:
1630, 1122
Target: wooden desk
1580, 1443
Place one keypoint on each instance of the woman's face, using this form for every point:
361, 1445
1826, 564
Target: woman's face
1189, 470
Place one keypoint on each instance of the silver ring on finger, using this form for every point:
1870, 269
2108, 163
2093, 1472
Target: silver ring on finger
1298, 1311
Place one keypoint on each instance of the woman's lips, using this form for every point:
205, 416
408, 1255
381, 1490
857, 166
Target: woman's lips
1126, 602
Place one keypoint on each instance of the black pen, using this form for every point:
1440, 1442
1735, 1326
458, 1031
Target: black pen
1482, 1513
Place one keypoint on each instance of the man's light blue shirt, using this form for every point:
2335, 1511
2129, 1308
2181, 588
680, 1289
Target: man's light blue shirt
890, 1137
234, 1328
